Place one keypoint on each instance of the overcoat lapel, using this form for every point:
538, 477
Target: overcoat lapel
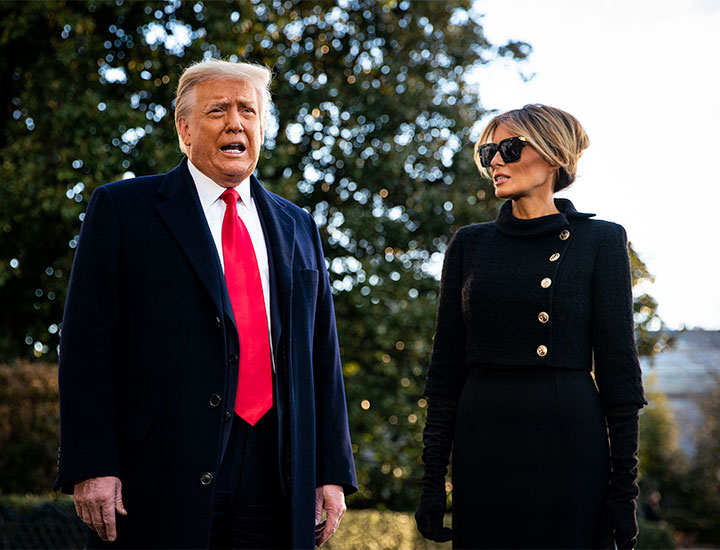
182, 213
279, 230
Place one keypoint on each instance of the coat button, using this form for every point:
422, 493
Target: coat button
215, 400
543, 317
227, 416
542, 351
564, 235
555, 257
206, 478
546, 282
233, 358
218, 321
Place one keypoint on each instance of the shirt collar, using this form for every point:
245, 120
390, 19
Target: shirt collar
209, 191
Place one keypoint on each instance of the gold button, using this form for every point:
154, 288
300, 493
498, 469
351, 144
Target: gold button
546, 282
542, 351
543, 317
564, 235
555, 257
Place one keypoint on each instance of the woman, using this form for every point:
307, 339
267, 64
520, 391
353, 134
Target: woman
526, 303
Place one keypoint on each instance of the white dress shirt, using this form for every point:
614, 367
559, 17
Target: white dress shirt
214, 208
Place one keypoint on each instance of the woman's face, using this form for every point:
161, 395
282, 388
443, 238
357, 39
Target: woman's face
530, 176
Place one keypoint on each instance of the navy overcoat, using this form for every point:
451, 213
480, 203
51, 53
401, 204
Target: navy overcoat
149, 343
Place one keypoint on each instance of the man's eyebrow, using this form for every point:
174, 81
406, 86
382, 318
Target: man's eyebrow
225, 103
218, 103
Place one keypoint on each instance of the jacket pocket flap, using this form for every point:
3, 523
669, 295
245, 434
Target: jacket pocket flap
310, 275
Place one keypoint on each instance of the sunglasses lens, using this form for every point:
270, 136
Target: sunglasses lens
511, 149
486, 153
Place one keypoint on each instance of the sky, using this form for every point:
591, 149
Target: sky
643, 77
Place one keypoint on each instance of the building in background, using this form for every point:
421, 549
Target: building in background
685, 372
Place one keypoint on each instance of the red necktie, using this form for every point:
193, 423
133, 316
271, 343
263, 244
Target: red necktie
242, 277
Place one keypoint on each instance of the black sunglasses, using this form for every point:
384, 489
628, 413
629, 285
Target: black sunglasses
510, 150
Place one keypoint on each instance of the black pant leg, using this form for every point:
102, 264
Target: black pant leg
250, 509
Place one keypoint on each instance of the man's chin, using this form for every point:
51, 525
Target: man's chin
230, 176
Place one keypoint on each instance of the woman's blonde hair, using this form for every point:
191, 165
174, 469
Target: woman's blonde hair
257, 76
556, 135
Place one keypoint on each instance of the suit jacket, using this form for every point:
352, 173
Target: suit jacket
149, 343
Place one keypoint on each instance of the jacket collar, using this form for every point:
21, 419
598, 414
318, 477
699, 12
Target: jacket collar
509, 225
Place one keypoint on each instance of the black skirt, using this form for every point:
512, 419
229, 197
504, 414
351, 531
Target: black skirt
530, 464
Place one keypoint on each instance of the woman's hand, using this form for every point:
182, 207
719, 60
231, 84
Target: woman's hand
619, 525
437, 437
429, 517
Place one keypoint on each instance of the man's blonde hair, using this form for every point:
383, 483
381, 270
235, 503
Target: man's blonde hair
556, 135
257, 76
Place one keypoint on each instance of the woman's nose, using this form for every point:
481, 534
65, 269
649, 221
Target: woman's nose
497, 160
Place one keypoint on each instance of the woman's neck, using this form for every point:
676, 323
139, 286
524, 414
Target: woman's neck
528, 208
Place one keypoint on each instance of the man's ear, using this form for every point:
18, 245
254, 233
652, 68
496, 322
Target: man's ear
183, 129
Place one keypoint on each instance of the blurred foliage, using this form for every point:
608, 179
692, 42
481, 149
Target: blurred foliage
688, 488
371, 130
374, 530
29, 427
29, 503
654, 536
663, 465
700, 511
371, 133
651, 336
661, 459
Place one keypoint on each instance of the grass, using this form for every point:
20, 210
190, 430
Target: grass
373, 530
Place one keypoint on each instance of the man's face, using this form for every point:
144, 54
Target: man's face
223, 134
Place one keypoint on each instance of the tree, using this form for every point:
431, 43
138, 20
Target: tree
701, 507
28, 434
650, 334
660, 457
371, 135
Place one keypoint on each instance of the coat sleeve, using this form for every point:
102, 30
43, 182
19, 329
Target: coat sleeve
447, 370
335, 465
88, 446
617, 369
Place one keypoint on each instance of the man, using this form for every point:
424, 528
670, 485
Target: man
201, 392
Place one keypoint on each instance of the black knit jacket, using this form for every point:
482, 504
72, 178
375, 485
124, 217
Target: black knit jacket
551, 292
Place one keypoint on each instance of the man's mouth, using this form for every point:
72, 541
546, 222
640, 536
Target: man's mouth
235, 148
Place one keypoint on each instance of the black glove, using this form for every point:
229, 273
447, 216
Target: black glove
437, 440
620, 520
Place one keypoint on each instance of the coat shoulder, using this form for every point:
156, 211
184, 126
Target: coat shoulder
133, 188
291, 208
473, 232
477, 229
152, 181
602, 230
